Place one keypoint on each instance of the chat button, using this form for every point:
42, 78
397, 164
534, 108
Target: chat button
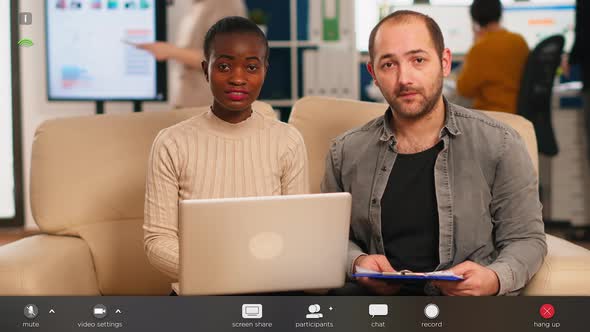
378, 310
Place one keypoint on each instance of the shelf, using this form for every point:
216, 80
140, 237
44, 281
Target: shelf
288, 40
281, 43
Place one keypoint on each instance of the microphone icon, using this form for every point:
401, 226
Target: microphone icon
31, 311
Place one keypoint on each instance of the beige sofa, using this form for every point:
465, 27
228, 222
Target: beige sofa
87, 191
566, 269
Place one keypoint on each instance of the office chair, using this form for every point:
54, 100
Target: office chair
534, 103
536, 87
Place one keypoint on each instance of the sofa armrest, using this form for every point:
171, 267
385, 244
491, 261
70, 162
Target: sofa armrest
565, 271
47, 265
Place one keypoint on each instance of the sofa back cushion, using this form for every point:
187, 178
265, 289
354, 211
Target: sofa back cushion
92, 169
88, 180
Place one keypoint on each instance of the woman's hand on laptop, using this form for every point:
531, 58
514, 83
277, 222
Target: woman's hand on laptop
378, 263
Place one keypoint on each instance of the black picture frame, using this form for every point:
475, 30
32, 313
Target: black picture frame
161, 66
18, 219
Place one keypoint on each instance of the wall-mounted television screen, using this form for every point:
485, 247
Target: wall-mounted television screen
91, 53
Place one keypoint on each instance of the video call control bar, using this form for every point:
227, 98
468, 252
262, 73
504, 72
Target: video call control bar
294, 313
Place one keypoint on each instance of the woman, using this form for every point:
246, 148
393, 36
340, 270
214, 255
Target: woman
230, 151
189, 88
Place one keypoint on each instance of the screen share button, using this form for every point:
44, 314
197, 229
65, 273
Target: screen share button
252, 314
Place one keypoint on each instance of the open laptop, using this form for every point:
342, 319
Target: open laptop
263, 244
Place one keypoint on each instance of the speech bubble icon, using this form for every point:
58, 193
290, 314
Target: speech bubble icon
378, 310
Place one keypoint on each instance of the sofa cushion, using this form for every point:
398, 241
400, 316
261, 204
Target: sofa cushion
91, 169
122, 268
88, 180
564, 272
47, 265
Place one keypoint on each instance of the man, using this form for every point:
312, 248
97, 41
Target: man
493, 67
435, 186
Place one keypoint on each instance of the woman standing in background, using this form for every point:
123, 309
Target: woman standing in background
190, 89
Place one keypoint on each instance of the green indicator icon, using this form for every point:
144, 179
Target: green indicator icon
25, 42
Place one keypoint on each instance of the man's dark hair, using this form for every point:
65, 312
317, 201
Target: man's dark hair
404, 16
484, 12
232, 24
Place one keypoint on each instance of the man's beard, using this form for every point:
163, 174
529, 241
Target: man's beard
426, 106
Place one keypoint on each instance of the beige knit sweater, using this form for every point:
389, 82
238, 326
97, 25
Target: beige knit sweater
206, 157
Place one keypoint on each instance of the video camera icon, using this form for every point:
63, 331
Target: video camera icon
99, 311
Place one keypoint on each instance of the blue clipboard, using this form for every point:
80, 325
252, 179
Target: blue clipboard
408, 276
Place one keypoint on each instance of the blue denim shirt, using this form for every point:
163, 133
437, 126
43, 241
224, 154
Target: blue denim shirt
486, 190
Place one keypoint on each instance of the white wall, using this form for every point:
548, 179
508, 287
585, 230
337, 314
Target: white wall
36, 108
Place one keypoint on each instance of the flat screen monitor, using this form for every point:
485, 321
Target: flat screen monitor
6, 153
91, 53
537, 21
8, 92
533, 20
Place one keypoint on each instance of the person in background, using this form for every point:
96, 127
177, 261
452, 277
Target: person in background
493, 67
230, 151
189, 87
580, 55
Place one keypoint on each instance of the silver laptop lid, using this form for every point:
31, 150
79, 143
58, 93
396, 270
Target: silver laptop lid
263, 244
